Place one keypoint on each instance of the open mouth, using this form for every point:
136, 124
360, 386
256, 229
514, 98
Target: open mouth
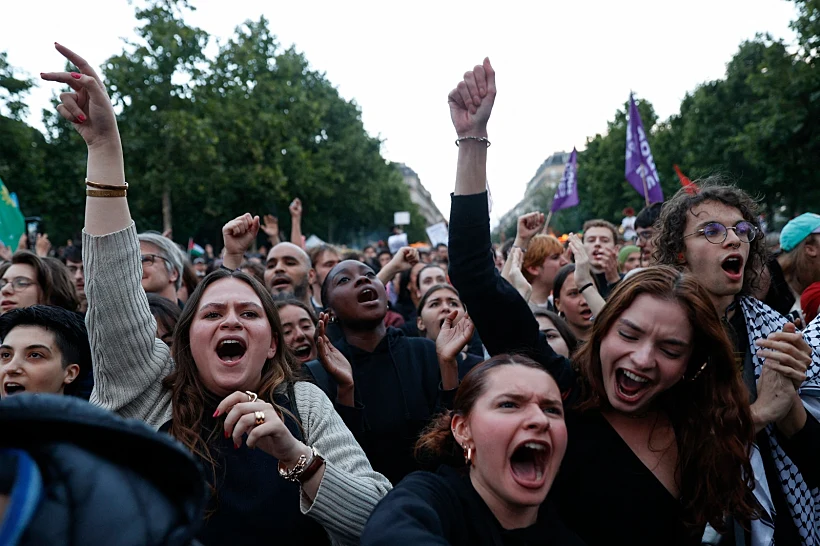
13, 388
302, 352
231, 350
733, 265
586, 313
367, 295
529, 463
280, 282
630, 385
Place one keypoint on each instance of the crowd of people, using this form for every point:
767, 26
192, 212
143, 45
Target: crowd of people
652, 385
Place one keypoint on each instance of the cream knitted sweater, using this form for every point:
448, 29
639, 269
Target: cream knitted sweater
130, 363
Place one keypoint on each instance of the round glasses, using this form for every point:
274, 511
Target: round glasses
716, 233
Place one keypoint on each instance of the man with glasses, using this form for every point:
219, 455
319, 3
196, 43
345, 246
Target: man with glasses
714, 235
162, 264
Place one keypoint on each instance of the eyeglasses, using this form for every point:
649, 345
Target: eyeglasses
716, 233
148, 259
646, 234
17, 283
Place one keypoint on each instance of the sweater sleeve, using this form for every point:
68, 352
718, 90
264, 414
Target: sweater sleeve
415, 512
502, 317
350, 488
129, 363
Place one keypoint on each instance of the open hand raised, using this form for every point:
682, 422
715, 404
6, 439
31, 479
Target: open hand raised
472, 101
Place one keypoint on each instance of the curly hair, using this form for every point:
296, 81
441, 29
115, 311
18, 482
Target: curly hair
708, 408
671, 225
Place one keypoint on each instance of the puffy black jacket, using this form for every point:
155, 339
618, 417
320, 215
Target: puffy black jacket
105, 480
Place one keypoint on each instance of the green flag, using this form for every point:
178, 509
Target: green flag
12, 224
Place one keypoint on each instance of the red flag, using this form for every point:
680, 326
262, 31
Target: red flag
690, 186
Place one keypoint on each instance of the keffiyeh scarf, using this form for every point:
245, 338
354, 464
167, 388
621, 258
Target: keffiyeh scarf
804, 504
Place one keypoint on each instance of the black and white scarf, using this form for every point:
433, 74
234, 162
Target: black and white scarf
804, 504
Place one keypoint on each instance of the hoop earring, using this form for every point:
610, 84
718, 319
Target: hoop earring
468, 455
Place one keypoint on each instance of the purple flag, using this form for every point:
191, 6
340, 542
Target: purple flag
566, 194
640, 165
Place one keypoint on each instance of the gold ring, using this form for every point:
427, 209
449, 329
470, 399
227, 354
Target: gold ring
260, 417
251, 396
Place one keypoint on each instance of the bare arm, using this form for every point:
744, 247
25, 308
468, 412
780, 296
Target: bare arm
296, 223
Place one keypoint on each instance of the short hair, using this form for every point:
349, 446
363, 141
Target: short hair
540, 248
165, 311
257, 271
69, 331
441, 245
669, 242
648, 216
74, 254
174, 258
505, 248
315, 252
601, 223
51, 276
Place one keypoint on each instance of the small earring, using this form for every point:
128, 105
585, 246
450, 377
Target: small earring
468, 455
681, 258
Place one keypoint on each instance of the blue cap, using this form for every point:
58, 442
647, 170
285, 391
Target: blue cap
798, 229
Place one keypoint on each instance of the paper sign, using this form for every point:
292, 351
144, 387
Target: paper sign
397, 242
401, 218
438, 234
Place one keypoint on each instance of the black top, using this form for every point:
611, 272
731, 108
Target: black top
396, 391
444, 508
251, 502
606, 493
779, 297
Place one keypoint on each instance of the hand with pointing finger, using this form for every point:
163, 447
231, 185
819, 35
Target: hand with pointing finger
87, 105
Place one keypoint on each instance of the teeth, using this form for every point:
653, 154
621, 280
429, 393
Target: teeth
537, 447
634, 377
228, 341
538, 473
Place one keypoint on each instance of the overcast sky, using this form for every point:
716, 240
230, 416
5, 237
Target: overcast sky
563, 68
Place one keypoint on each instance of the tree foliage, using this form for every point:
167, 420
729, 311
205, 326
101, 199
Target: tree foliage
248, 130
757, 126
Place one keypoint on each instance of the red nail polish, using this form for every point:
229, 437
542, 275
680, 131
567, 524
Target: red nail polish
236, 446
76, 76
227, 435
81, 118
216, 413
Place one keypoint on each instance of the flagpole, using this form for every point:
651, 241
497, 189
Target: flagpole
645, 189
547, 223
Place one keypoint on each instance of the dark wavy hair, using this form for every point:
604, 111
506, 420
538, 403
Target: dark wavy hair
187, 390
708, 409
437, 445
671, 227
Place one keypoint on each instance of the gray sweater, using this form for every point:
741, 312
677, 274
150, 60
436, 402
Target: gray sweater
130, 363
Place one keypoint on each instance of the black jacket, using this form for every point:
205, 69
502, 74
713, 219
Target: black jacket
105, 480
444, 508
397, 391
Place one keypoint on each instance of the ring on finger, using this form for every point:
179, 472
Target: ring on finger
260, 417
251, 396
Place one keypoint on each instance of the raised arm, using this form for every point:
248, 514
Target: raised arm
583, 276
502, 317
295, 208
129, 363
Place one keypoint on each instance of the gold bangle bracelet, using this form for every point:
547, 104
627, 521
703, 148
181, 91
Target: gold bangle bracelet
97, 185
106, 193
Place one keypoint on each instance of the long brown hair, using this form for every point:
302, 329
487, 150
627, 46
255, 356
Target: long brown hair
437, 444
187, 390
708, 408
